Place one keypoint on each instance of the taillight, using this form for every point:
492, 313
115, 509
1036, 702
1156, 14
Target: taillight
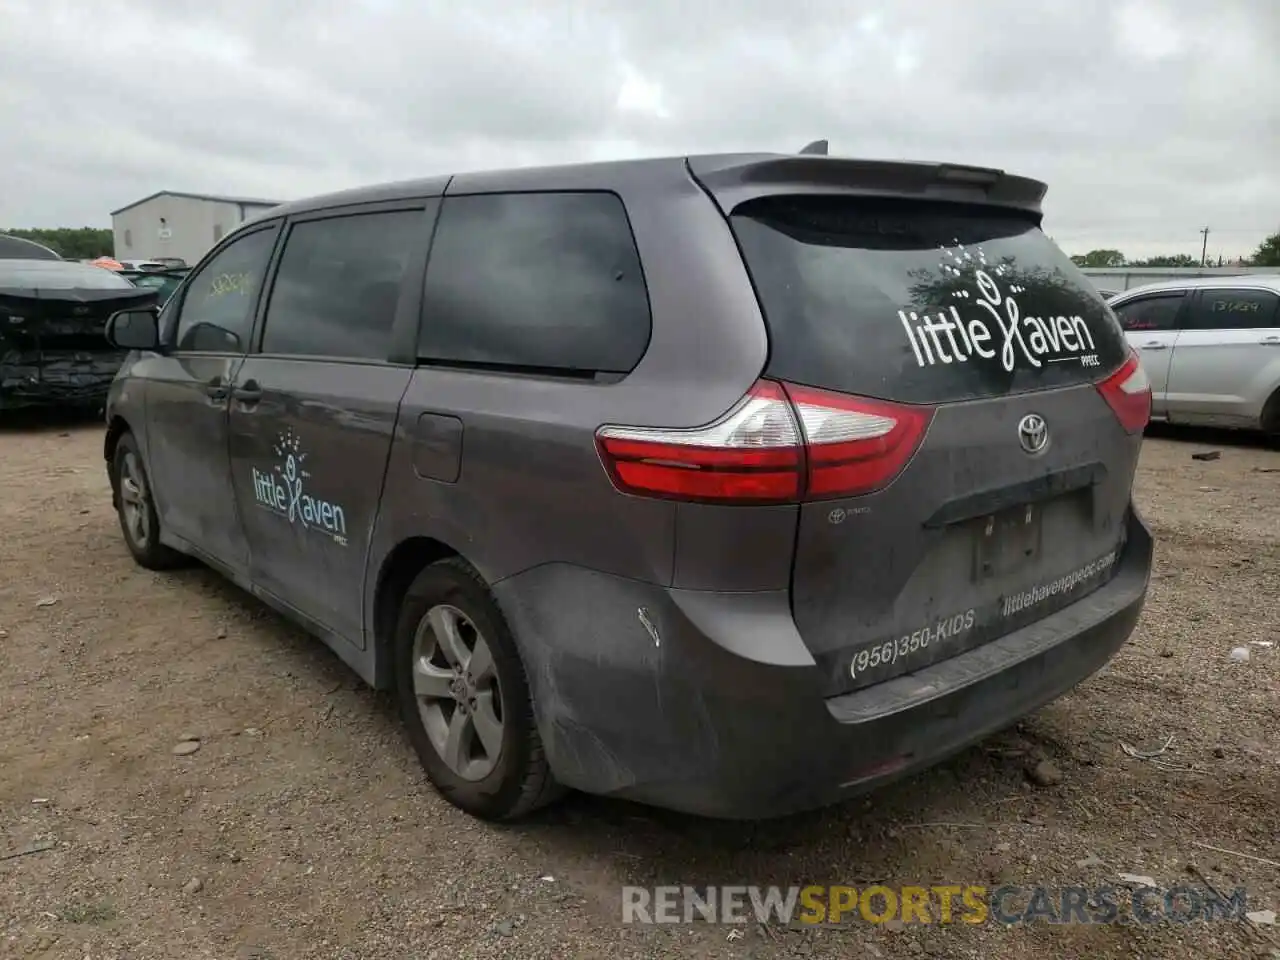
779, 444
855, 445
753, 453
1128, 393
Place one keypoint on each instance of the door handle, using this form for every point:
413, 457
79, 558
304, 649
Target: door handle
248, 392
216, 389
1270, 341
1155, 345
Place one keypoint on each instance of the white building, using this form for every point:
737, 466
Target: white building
186, 225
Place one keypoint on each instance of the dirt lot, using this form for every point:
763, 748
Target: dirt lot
307, 827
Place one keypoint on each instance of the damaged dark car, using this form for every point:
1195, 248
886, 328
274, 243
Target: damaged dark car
53, 353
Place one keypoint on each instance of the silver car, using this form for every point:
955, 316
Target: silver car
1211, 348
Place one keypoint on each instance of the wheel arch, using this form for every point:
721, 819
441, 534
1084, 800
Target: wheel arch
401, 565
117, 427
1271, 413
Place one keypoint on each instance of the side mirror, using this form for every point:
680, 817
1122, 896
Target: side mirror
134, 329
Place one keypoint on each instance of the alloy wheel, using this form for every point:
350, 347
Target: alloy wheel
134, 500
455, 681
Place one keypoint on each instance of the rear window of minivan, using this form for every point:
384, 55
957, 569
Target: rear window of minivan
920, 302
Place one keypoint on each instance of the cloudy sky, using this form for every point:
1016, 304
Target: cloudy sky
1149, 119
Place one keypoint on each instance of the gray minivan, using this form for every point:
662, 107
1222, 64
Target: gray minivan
734, 484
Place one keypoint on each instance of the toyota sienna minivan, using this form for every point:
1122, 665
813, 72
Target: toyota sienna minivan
733, 484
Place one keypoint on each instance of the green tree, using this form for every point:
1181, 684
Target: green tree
1099, 258
1177, 260
74, 243
1268, 253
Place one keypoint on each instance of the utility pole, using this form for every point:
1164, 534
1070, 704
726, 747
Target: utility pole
1204, 247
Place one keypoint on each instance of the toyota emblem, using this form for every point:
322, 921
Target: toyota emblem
1033, 434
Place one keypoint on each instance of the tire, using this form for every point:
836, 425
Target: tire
135, 506
447, 709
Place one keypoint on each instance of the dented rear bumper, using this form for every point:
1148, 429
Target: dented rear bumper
53, 348
711, 704
37, 379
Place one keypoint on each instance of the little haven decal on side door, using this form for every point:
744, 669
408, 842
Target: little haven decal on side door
283, 491
993, 326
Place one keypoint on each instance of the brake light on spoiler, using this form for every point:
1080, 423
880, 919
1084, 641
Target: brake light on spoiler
1128, 393
780, 443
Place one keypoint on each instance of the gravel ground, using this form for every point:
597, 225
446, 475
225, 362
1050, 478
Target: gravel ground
302, 827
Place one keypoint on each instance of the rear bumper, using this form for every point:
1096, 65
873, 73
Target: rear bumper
709, 703
57, 382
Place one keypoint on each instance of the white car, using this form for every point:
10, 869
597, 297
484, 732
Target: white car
1211, 347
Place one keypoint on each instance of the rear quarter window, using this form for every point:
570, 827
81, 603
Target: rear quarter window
1236, 309
535, 281
921, 302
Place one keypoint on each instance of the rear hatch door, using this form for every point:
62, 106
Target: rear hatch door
944, 295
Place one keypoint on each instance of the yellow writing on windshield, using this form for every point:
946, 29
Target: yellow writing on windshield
225, 283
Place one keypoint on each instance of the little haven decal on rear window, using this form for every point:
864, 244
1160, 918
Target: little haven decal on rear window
986, 322
921, 301
284, 490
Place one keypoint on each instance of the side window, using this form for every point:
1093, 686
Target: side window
336, 291
167, 319
216, 314
535, 280
1234, 310
1151, 313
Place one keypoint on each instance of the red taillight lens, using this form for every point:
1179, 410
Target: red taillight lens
1128, 393
855, 445
751, 454
779, 444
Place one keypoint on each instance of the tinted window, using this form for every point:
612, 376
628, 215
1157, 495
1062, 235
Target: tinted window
920, 302
1151, 313
168, 316
58, 275
1233, 310
216, 314
537, 280
336, 291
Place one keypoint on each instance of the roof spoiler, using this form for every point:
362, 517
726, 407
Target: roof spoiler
736, 178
